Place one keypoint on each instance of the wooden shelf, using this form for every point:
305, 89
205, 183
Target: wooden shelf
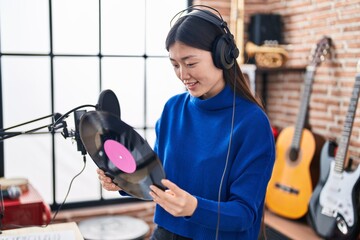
292, 229
281, 69
251, 71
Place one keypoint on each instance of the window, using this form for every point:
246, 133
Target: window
60, 54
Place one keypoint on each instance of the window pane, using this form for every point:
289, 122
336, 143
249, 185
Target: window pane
125, 76
158, 23
76, 82
26, 83
150, 137
142, 84
24, 26
122, 27
29, 156
162, 83
76, 26
69, 162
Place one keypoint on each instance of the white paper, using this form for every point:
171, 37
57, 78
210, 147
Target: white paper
55, 235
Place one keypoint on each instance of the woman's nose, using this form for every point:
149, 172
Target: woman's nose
184, 74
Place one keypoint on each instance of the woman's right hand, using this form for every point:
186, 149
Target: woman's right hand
106, 181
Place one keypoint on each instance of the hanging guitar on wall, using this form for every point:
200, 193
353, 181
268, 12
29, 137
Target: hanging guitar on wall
296, 166
334, 206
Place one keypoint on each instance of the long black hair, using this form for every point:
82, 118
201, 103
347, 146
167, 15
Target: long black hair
199, 33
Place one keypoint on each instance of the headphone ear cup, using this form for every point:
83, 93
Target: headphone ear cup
223, 53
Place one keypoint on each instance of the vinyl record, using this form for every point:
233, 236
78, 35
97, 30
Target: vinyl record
121, 153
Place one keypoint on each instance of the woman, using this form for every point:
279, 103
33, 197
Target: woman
215, 141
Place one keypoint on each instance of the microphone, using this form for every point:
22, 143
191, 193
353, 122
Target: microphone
108, 102
12, 192
77, 117
59, 122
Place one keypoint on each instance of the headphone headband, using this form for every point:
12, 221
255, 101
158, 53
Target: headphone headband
224, 49
199, 8
208, 16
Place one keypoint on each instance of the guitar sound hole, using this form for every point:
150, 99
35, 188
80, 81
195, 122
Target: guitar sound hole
293, 154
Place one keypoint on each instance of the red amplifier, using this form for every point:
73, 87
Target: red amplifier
28, 210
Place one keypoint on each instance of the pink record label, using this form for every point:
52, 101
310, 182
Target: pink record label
120, 156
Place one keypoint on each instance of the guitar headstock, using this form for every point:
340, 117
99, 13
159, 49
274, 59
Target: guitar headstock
320, 51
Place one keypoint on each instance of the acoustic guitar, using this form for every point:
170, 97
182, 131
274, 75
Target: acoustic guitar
296, 168
334, 206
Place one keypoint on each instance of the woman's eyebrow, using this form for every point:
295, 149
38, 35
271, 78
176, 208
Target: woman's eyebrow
183, 58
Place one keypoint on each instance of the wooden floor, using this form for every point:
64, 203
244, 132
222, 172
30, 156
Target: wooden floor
295, 230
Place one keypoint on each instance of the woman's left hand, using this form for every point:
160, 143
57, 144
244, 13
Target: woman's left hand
174, 200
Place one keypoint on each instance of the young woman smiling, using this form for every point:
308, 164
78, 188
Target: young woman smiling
215, 141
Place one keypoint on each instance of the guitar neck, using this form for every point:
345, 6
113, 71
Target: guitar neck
346, 133
300, 123
320, 52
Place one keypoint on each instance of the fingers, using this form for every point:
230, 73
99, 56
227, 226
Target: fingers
161, 198
160, 194
174, 200
99, 171
106, 182
170, 185
102, 177
110, 186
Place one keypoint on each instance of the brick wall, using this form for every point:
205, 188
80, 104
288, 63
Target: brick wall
305, 23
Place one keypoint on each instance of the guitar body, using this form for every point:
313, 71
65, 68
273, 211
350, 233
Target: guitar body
291, 185
334, 205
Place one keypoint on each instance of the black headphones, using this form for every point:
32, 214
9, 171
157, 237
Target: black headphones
224, 50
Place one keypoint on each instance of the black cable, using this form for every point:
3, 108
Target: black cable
228, 154
67, 194
72, 110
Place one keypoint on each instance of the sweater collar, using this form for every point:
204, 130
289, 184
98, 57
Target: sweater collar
222, 100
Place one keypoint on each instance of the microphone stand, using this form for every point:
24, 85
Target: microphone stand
5, 135
31, 121
58, 122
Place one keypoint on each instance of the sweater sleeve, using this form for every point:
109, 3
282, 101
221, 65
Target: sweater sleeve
244, 189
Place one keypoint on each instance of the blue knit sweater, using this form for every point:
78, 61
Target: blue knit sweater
192, 142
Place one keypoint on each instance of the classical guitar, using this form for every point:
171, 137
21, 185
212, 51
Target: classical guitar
334, 205
297, 151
